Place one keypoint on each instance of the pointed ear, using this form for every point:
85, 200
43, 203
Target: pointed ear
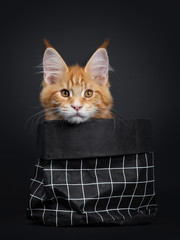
98, 66
53, 66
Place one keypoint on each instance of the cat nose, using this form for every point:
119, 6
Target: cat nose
76, 107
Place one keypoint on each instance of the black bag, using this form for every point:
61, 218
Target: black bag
95, 173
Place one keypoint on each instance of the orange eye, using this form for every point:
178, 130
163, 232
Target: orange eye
65, 93
88, 93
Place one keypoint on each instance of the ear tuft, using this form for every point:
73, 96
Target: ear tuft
105, 43
98, 66
47, 43
53, 66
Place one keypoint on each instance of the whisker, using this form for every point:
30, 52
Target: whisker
30, 118
48, 112
114, 112
34, 119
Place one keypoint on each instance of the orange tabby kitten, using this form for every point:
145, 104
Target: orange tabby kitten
76, 93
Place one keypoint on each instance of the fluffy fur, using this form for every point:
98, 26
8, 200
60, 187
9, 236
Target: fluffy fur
77, 107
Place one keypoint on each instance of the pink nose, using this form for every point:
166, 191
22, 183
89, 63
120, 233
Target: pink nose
76, 107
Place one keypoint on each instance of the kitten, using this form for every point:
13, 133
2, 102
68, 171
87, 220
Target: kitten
76, 93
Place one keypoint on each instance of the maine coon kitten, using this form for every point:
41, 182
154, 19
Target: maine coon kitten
76, 93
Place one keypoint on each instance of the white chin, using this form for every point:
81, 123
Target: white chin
77, 119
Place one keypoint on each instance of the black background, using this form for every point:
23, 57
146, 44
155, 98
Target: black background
143, 53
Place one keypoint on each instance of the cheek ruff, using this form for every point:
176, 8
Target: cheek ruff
100, 172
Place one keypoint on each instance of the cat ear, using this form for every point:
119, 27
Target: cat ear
53, 66
98, 66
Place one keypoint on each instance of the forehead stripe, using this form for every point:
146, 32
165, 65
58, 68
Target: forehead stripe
80, 79
74, 80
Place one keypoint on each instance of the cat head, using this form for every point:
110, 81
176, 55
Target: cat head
76, 93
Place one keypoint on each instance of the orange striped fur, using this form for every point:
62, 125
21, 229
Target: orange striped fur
76, 80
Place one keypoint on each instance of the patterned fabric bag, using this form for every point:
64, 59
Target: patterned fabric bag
99, 172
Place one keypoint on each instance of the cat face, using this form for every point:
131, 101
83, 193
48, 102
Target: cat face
76, 93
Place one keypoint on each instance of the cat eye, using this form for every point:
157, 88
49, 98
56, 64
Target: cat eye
88, 93
65, 93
